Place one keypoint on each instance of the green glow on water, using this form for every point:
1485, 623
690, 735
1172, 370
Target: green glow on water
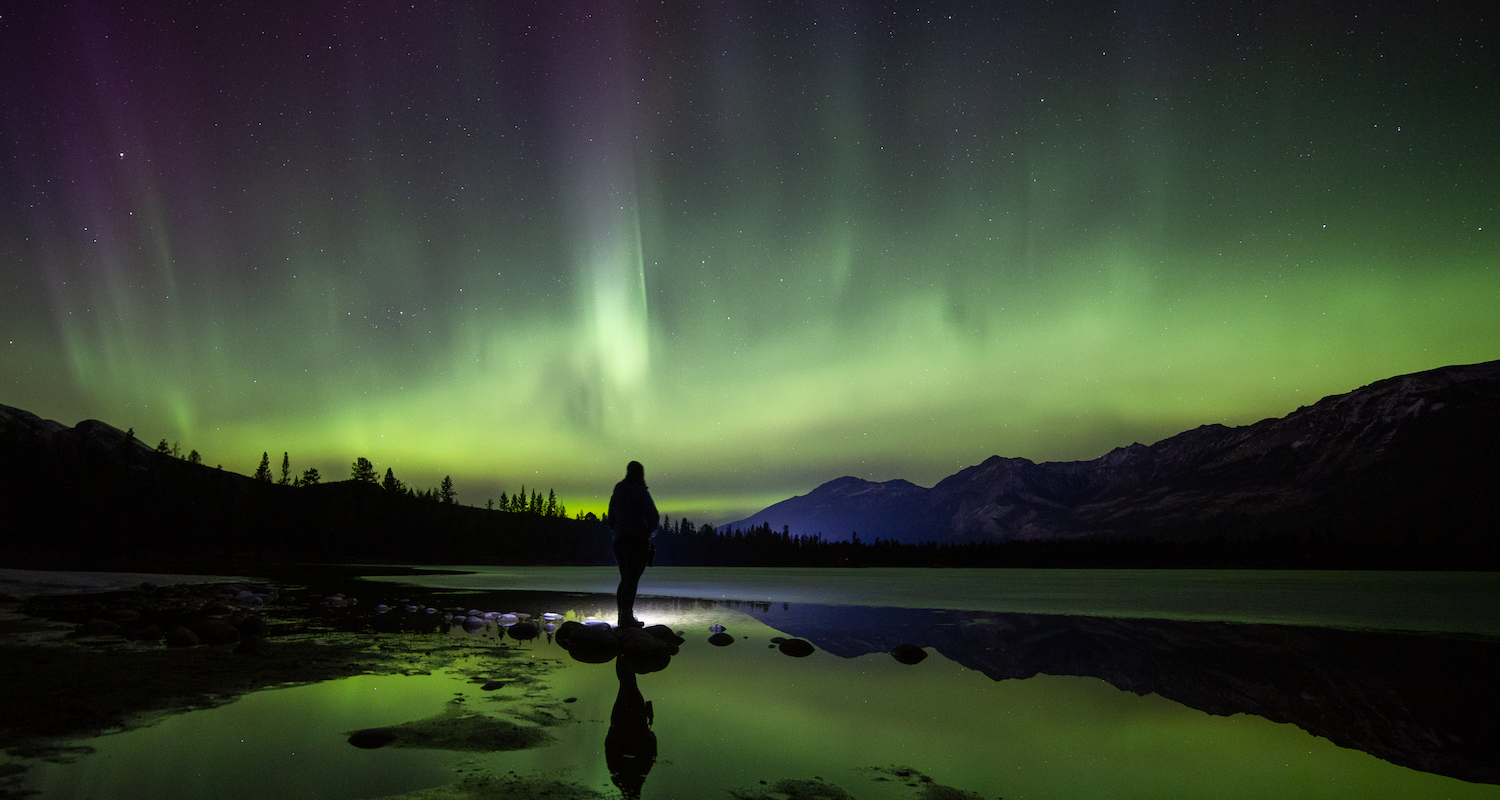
738, 715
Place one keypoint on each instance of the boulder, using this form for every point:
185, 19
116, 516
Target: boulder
665, 634
253, 645
371, 738
252, 624
98, 627
216, 631
643, 652
908, 653
179, 636
721, 639
150, 633
592, 644
796, 648
565, 632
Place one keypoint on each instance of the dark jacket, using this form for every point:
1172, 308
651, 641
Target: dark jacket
632, 513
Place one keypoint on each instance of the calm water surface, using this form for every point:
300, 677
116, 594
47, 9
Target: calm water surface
1037, 684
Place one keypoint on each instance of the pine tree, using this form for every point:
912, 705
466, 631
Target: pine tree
175, 452
550, 509
362, 470
390, 484
263, 472
310, 477
194, 458
286, 470
504, 502
489, 504
445, 492
162, 447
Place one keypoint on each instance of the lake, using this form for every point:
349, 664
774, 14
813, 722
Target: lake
1030, 684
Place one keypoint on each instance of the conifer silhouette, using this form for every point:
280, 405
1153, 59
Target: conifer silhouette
263, 472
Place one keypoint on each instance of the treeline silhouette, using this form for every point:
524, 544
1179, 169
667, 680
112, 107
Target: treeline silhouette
363, 470
96, 496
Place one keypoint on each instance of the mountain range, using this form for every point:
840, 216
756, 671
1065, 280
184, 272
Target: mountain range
1403, 458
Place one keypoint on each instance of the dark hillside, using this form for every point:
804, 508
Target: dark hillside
91, 495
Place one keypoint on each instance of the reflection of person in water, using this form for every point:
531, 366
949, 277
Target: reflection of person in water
630, 746
632, 517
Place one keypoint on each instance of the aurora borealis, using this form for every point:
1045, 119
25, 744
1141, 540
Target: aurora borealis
756, 246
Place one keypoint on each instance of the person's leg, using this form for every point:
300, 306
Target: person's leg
632, 563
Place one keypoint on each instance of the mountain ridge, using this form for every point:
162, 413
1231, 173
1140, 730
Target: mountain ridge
1410, 450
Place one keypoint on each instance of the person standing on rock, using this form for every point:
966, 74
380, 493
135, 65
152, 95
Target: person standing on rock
632, 517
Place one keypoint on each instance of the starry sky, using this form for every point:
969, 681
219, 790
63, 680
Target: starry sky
754, 245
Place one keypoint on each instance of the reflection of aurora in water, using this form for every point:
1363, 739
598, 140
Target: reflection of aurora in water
736, 715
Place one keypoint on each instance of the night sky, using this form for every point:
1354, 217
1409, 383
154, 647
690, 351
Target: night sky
754, 245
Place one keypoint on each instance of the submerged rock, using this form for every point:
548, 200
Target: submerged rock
251, 644
908, 653
150, 633
98, 627
216, 631
796, 648
371, 738
181, 637
456, 729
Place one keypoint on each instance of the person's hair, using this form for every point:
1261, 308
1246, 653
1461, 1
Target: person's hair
635, 472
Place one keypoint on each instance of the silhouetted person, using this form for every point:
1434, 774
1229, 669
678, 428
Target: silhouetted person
632, 517
629, 746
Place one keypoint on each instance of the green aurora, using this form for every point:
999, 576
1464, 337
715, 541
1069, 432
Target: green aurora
754, 250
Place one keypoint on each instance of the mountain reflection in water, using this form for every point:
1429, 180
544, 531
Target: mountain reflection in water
1424, 701
1003, 703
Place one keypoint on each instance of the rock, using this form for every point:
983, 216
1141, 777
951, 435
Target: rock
473, 624
592, 644
908, 653
643, 652
123, 615
565, 631
492, 686
665, 634
179, 636
721, 639
216, 631
98, 627
371, 738
250, 625
523, 631
637, 641
796, 648
150, 633
253, 645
